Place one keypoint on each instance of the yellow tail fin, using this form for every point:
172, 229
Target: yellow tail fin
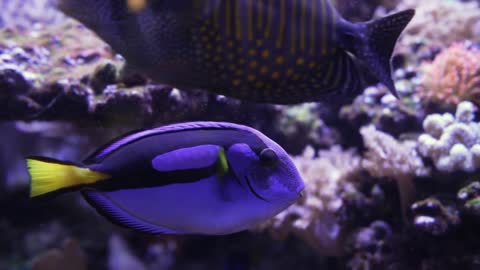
50, 175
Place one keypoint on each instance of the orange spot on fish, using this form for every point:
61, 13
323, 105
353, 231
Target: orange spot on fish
136, 5
265, 54
280, 60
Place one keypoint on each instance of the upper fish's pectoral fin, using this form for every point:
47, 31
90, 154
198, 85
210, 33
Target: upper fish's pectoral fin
121, 217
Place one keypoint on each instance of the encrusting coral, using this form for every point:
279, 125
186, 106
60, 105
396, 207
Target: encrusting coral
452, 77
452, 142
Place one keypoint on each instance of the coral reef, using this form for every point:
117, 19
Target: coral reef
371, 246
376, 106
432, 217
25, 14
305, 121
386, 157
71, 256
452, 142
469, 196
442, 22
452, 77
314, 218
121, 257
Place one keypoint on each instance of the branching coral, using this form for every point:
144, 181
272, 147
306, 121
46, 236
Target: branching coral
453, 143
313, 219
387, 157
453, 76
442, 22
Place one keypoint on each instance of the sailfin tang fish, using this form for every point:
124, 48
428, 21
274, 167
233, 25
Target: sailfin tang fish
276, 51
190, 178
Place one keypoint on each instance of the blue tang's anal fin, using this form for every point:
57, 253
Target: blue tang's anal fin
118, 216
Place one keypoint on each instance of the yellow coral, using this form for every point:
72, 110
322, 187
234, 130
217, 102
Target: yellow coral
452, 77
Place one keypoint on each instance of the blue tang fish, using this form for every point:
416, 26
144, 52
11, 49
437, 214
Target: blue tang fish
274, 51
190, 178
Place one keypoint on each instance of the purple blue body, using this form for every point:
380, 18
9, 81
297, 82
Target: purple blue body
191, 178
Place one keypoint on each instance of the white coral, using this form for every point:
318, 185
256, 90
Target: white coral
452, 143
435, 123
387, 157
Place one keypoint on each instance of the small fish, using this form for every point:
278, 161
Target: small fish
189, 178
274, 51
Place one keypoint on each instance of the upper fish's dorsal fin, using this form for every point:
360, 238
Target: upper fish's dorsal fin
374, 42
115, 144
118, 216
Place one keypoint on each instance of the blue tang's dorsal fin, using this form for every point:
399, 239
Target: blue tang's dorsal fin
117, 143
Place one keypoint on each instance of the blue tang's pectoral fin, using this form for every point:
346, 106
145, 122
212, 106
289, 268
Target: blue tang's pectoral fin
196, 157
117, 215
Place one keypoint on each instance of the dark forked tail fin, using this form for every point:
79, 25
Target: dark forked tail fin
376, 44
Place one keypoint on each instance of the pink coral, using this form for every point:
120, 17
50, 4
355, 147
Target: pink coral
452, 77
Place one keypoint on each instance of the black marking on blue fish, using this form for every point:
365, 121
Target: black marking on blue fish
117, 216
144, 176
129, 159
253, 190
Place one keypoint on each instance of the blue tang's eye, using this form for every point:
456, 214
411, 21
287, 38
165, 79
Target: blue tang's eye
268, 157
